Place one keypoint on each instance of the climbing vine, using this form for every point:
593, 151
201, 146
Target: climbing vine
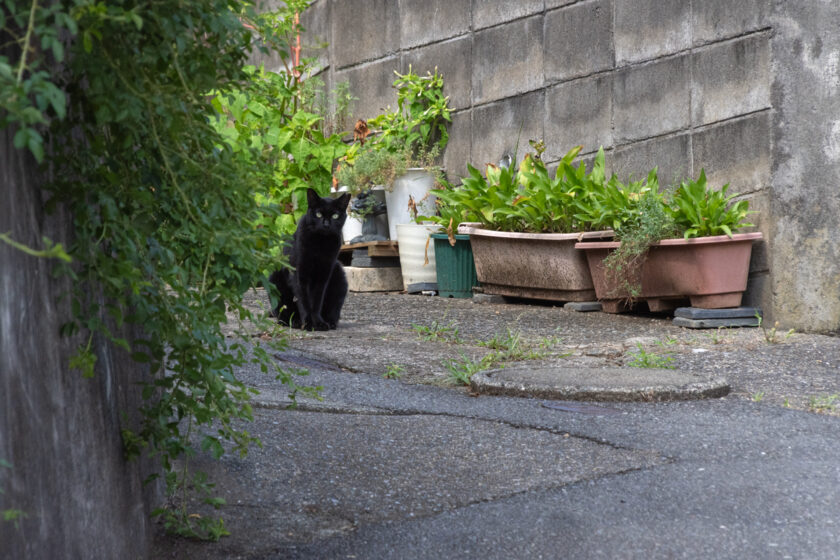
114, 97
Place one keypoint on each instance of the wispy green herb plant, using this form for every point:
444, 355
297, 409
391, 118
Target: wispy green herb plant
438, 331
461, 370
644, 359
823, 403
394, 371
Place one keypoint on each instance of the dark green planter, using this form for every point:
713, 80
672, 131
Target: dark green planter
455, 267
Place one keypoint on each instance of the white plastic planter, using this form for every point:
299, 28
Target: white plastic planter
416, 183
415, 248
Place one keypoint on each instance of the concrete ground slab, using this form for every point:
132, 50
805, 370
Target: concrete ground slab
598, 384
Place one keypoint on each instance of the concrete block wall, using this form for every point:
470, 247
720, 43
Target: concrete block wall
683, 85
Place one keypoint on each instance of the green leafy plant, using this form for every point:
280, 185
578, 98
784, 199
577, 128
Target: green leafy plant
644, 359
758, 396
511, 346
523, 198
394, 371
823, 403
162, 199
771, 335
414, 135
639, 219
461, 370
438, 331
261, 120
699, 211
370, 167
420, 121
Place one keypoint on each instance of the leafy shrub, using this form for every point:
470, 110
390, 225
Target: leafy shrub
261, 123
419, 123
162, 203
414, 135
523, 199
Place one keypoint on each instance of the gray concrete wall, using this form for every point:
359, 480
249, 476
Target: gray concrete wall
745, 90
60, 432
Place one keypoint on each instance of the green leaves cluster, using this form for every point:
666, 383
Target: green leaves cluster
413, 135
28, 93
263, 122
419, 123
526, 198
699, 211
164, 208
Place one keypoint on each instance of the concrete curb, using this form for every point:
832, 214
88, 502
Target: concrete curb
598, 384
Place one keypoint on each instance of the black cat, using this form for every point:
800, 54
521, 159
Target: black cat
312, 294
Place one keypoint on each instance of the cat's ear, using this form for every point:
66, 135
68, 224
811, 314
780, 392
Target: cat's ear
343, 201
312, 198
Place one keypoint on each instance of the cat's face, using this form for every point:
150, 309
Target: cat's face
326, 214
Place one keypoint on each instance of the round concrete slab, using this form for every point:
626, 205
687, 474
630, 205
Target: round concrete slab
593, 384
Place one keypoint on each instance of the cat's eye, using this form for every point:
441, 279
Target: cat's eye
318, 214
335, 216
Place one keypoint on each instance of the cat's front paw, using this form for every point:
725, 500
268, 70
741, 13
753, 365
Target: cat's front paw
321, 326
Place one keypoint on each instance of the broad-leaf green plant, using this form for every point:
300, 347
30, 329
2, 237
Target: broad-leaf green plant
523, 198
700, 211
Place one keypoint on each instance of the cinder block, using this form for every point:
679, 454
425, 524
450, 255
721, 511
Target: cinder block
507, 60
499, 126
730, 79
374, 279
453, 60
551, 4
364, 30
578, 40
713, 20
317, 35
737, 152
578, 112
371, 84
457, 154
671, 154
493, 12
428, 21
651, 100
647, 29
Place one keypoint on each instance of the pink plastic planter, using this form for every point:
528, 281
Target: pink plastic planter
710, 272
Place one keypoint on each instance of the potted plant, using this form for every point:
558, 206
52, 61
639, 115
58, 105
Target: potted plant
670, 248
365, 170
416, 131
528, 222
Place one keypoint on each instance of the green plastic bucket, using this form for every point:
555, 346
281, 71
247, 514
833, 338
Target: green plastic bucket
455, 267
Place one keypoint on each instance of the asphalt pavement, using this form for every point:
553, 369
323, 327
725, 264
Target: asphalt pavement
401, 460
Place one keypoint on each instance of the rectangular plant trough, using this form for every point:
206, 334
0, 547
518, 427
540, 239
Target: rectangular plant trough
532, 265
710, 272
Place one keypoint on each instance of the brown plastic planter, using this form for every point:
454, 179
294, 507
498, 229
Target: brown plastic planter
710, 272
532, 265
